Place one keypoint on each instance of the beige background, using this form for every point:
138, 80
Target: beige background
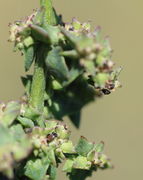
117, 119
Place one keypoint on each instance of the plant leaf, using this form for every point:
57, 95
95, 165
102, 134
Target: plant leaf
14, 146
84, 147
10, 113
52, 172
51, 156
67, 147
68, 166
26, 122
27, 81
56, 64
29, 57
81, 162
36, 169
99, 147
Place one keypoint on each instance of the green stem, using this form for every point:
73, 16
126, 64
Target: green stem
39, 79
38, 84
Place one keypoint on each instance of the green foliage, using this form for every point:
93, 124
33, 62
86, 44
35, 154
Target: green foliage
14, 146
56, 64
36, 169
72, 67
84, 147
9, 112
29, 57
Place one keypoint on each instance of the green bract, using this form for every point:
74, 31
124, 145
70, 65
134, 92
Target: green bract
72, 67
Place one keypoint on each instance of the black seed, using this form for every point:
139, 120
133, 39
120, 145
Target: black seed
106, 91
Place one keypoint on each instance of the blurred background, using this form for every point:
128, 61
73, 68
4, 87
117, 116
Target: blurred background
116, 119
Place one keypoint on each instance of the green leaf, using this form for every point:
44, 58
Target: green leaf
50, 124
26, 122
40, 34
22, 145
76, 24
52, 172
101, 78
69, 101
67, 147
36, 169
14, 146
84, 147
56, 85
60, 154
100, 60
73, 74
62, 132
29, 57
71, 54
91, 155
54, 34
73, 39
38, 19
90, 67
31, 113
6, 141
99, 147
5, 137
17, 132
29, 41
68, 166
27, 81
56, 63
105, 162
51, 156
80, 43
82, 163
10, 112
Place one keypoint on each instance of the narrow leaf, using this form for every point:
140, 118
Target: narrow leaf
29, 57
26, 122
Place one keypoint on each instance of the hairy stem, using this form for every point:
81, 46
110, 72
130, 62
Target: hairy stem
38, 84
39, 79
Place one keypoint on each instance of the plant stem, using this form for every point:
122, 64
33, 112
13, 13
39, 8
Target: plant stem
39, 79
38, 84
